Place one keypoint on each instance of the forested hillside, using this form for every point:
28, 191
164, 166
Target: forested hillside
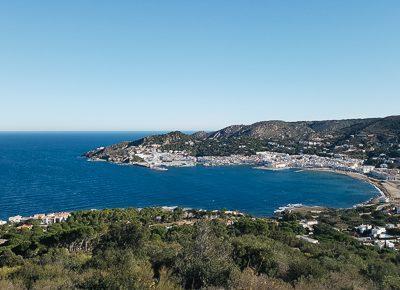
157, 249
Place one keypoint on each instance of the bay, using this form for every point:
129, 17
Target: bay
43, 172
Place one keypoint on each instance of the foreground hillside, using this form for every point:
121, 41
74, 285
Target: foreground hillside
173, 249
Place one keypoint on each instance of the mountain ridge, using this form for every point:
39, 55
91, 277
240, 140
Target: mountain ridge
321, 126
366, 139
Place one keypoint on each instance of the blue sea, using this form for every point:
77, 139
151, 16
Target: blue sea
43, 172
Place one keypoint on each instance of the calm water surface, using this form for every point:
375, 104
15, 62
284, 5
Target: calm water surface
42, 172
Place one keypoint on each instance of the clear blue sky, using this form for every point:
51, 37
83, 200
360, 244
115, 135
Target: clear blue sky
161, 65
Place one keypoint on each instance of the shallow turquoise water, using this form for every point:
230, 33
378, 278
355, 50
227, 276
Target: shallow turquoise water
42, 172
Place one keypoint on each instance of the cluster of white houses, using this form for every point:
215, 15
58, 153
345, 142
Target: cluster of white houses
366, 234
338, 162
154, 157
378, 236
45, 219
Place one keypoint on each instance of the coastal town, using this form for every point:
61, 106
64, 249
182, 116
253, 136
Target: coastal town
153, 157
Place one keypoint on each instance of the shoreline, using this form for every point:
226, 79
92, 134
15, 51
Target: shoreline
387, 190
389, 196
384, 192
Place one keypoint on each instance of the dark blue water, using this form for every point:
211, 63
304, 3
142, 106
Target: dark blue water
42, 172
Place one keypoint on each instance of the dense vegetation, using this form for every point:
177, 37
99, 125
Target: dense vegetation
157, 249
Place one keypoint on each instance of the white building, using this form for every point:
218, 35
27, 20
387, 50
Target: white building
363, 228
308, 239
389, 245
55, 217
379, 244
378, 231
384, 244
368, 168
15, 219
308, 224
